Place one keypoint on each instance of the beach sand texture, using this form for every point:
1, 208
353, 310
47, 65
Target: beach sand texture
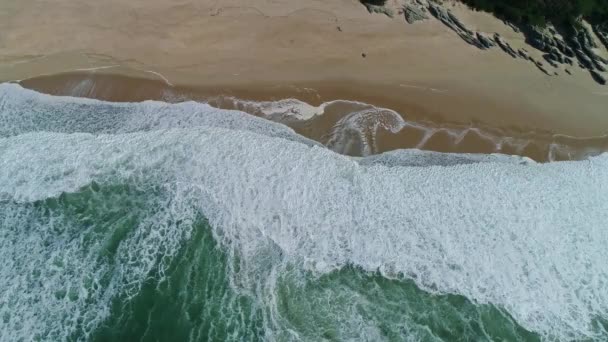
271, 50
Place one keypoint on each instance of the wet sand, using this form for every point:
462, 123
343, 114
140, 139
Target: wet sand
261, 50
343, 118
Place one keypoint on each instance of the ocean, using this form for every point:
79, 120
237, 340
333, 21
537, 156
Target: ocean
183, 222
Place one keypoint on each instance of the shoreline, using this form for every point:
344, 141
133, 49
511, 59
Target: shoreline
267, 50
440, 102
328, 118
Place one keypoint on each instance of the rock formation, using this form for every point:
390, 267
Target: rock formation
485, 42
505, 46
599, 78
414, 13
450, 20
577, 45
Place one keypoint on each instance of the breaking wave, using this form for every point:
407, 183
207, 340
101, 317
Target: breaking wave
121, 220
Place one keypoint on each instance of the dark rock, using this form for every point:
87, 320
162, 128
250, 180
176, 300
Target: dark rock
548, 57
557, 57
563, 48
364, 55
380, 9
486, 42
471, 40
540, 67
568, 51
575, 44
584, 60
601, 34
438, 12
448, 19
599, 78
538, 44
413, 13
586, 38
568, 71
523, 54
540, 40
505, 46
591, 54
515, 28
458, 23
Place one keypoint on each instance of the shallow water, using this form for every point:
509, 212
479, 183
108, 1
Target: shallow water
360, 129
345, 126
159, 221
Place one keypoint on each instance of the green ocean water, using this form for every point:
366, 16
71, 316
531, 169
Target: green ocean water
192, 298
182, 222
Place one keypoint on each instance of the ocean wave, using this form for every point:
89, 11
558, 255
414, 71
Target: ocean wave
360, 129
23, 110
529, 238
337, 124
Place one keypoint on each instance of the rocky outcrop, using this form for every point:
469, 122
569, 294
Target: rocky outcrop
414, 13
523, 53
578, 46
515, 28
566, 47
485, 42
584, 36
599, 78
541, 67
601, 31
371, 8
505, 46
450, 20
550, 60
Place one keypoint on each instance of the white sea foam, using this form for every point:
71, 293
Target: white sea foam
281, 110
361, 128
356, 127
413, 157
354, 133
23, 110
524, 236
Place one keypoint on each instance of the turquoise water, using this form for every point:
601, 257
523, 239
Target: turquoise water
190, 297
160, 222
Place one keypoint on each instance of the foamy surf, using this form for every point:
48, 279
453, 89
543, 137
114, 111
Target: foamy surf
347, 127
360, 129
123, 220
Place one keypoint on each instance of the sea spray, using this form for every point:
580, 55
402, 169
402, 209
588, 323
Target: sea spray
252, 232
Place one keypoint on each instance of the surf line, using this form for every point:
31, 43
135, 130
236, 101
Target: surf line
66, 71
161, 76
96, 68
434, 90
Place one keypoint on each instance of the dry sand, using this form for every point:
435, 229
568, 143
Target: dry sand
269, 49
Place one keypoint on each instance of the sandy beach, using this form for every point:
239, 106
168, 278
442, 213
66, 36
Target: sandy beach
316, 52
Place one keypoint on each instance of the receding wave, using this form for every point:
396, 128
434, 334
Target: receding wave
360, 129
347, 127
122, 221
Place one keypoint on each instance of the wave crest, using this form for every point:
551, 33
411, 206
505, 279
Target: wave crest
526, 237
